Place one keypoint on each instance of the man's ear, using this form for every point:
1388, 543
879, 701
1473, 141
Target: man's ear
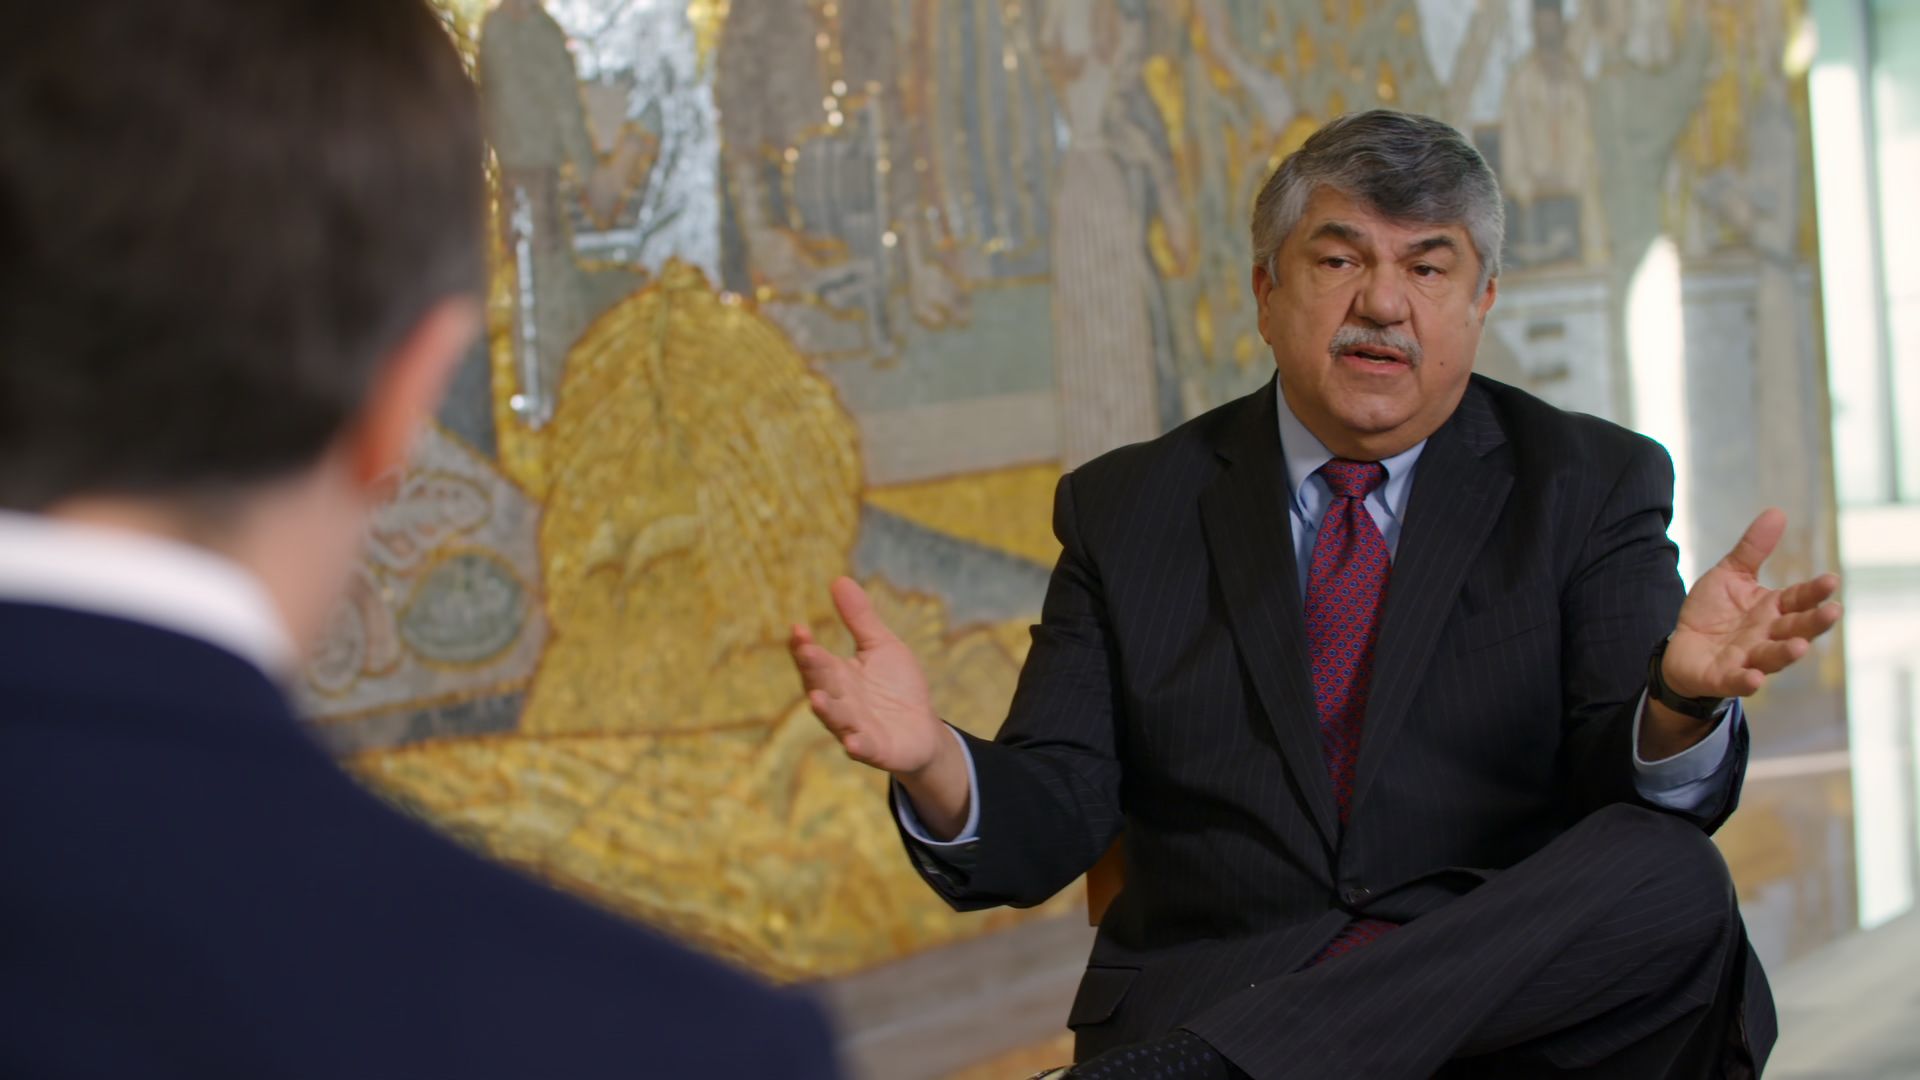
408, 389
1263, 283
1485, 304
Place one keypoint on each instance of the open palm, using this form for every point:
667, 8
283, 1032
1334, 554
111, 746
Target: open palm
1734, 632
876, 701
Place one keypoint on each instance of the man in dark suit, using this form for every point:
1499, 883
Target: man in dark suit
1385, 671
240, 254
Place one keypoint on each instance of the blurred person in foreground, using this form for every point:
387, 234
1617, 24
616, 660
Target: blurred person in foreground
240, 255
1388, 676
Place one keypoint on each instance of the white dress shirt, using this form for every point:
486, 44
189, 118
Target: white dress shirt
145, 579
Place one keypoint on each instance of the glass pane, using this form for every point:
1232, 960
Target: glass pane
1896, 93
1850, 284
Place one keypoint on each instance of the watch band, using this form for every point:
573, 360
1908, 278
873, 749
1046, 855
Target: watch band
1699, 708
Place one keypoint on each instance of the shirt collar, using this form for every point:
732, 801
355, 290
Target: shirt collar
1305, 454
144, 579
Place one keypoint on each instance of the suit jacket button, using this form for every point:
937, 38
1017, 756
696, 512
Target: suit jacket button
1355, 895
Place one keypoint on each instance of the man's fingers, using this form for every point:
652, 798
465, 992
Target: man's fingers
1809, 594
830, 713
855, 747
856, 610
834, 717
1771, 656
821, 670
829, 680
1759, 541
798, 641
1805, 624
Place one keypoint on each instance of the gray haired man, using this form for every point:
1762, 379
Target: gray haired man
1386, 678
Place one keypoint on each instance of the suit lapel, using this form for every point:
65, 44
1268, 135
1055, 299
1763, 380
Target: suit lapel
1458, 492
1244, 513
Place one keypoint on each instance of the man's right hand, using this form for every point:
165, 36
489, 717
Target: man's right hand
877, 704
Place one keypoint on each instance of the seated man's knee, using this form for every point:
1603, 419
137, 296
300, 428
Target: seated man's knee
1679, 876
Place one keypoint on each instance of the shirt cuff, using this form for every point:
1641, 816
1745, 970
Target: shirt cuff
910, 821
1690, 779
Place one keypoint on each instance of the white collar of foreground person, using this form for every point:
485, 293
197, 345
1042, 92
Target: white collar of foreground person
145, 579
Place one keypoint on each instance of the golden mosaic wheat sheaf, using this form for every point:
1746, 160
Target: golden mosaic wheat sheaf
705, 486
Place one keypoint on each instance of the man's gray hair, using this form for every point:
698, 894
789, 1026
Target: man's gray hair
1406, 167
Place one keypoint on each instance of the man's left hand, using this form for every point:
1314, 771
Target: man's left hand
1734, 632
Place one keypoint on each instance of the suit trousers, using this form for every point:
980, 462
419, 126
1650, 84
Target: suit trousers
1616, 950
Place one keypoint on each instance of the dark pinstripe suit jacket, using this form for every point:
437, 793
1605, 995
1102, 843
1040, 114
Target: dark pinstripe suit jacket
1168, 692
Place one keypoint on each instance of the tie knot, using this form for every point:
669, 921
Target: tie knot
1353, 479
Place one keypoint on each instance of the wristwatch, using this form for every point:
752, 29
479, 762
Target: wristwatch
1699, 708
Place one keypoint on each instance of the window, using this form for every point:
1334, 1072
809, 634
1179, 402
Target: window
1865, 91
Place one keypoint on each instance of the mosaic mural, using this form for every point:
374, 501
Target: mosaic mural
786, 289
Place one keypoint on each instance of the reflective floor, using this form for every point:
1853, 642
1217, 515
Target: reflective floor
1852, 1010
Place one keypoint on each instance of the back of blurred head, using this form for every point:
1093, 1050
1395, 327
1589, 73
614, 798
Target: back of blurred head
240, 256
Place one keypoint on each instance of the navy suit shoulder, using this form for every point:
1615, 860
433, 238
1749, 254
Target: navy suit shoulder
194, 888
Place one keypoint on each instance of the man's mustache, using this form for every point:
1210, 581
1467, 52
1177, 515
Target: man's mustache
1351, 338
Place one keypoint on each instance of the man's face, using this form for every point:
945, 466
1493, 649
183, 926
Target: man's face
1373, 322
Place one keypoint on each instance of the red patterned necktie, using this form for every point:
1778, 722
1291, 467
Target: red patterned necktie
1346, 590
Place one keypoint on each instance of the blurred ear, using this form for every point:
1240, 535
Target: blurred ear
408, 390
1263, 285
1485, 303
